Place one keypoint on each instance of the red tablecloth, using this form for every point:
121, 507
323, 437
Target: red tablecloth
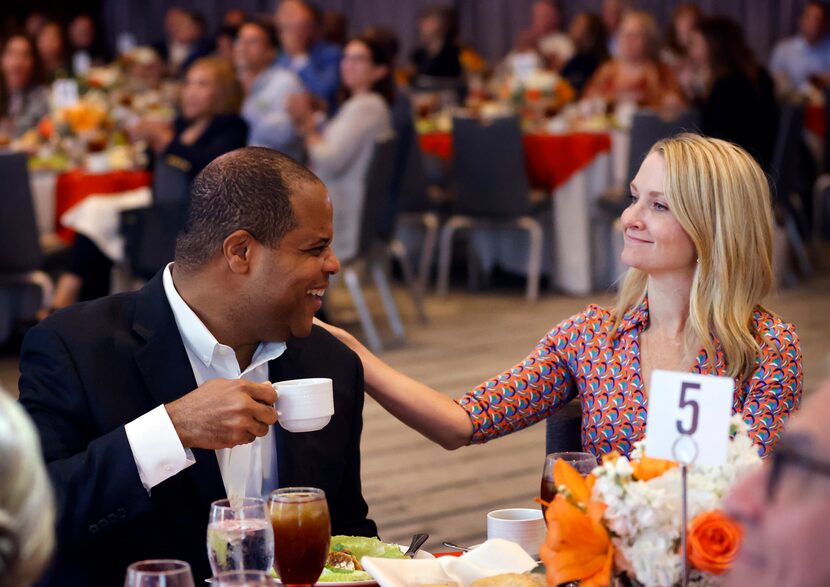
814, 119
551, 159
74, 186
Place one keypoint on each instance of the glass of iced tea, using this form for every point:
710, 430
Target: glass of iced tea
302, 532
583, 462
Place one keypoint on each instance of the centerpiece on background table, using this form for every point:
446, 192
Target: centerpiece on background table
622, 524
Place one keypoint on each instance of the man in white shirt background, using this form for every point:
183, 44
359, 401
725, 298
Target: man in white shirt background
805, 57
154, 403
267, 87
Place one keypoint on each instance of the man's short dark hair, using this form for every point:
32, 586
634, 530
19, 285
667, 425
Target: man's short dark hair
246, 189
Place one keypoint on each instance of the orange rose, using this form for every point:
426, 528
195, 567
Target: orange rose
714, 539
647, 468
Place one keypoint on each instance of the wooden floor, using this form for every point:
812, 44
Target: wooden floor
412, 485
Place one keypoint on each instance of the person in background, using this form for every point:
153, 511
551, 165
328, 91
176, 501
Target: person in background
208, 126
53, 51
545, 36
316, 62
738, 100
588, 35
192, 34
33, 23
783, 507
27, 505
805, 57
85, 47
267, 88
691, 301
225, 38
24, 101
637, 75
340, 154
171, 50
438, 52
335, 28
234, 18
676, 50
612, 15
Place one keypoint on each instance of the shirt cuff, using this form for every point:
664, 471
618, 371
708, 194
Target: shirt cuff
156, 447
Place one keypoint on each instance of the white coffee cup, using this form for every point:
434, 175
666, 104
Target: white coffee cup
524, 526
305, 405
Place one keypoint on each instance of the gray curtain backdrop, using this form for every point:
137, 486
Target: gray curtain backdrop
488, 25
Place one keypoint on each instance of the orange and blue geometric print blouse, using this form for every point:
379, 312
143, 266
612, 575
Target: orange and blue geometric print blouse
578, 357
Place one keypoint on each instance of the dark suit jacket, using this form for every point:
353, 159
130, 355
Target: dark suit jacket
92, 368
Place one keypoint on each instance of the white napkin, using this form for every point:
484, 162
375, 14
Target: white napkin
98, 218
494, 557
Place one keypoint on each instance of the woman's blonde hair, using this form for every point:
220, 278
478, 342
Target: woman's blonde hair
27, 509
721, 198
651, 31
229, 100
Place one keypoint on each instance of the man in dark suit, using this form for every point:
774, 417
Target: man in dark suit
142, 399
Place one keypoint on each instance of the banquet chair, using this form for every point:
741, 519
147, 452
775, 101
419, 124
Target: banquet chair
785, 169
821, 187
491, 190
150, 233
373, 252
563, 430
24, 287
416, 208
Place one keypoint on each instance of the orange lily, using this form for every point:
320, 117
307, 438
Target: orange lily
647, 468
578, 546
578, 486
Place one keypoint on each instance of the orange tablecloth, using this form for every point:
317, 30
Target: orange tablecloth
814, 120
74, 186
551, 159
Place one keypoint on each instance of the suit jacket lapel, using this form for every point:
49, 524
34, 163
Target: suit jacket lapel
168, 375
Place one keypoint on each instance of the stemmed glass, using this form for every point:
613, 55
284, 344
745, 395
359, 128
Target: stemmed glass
302, 532
159, 573
583, 462
239, 536
243, 579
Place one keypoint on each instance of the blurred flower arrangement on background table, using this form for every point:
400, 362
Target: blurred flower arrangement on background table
622, 524
93, 133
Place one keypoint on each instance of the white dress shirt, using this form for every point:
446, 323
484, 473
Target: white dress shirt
248, 469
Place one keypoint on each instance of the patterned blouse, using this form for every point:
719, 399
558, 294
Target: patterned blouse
579, 358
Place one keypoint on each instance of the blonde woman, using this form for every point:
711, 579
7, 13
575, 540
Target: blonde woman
698, 239
636, 75
27, 510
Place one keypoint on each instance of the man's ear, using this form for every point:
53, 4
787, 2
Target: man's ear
237, 249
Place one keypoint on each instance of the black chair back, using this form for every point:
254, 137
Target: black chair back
413, 193
150, 233
19, 240
171, 185
563, 430
490, 176
376, 195
785, 166
648, 127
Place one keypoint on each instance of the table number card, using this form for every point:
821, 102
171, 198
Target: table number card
688, 417
64, 93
